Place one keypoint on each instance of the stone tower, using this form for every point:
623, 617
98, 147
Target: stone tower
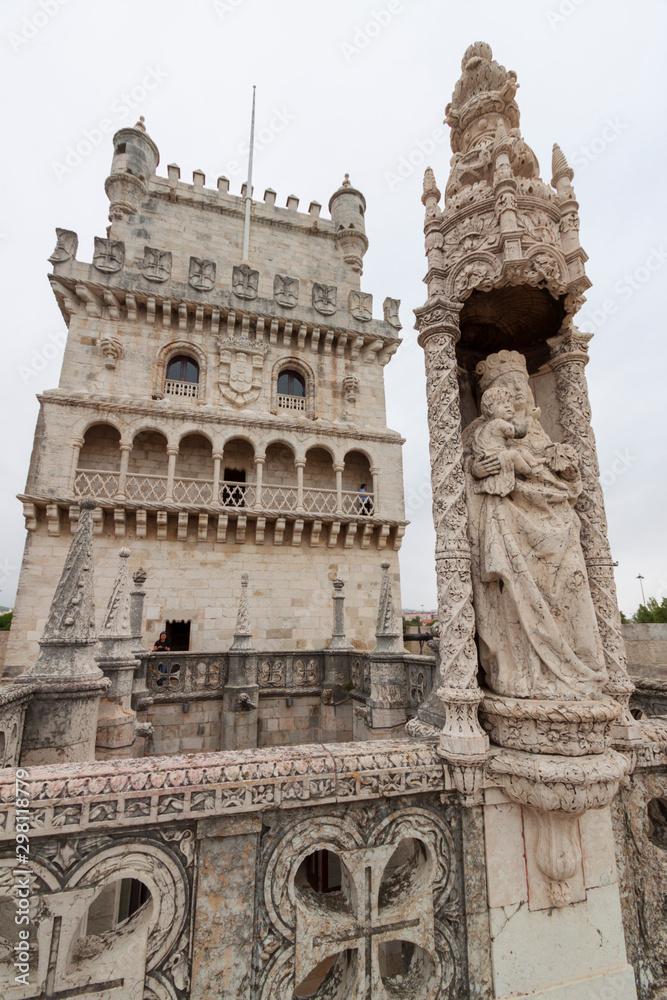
223, 413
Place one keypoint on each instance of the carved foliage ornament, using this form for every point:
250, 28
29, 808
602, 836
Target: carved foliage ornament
109, 255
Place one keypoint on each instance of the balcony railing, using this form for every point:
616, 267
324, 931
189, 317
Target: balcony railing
275, 499
291, 402
188, 389
96, 484
146, 487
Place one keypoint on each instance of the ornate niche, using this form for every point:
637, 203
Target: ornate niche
240, 370
386, 921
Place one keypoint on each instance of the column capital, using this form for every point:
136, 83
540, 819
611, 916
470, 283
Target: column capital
339, 467
172, 451
260, 459
217, 456
438, 315
300, 463
572, 345
125, 446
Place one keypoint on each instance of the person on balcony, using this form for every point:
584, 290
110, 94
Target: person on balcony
365, 501
161, 647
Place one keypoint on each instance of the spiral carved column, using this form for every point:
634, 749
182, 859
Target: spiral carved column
457, 697
569, 357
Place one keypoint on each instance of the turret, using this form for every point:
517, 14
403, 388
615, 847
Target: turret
135, 159
348, 208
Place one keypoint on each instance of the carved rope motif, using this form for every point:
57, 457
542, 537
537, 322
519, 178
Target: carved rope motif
569, 358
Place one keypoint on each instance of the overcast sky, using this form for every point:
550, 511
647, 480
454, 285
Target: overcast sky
358, 87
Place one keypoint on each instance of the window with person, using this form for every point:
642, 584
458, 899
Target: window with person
290, 383
183, 369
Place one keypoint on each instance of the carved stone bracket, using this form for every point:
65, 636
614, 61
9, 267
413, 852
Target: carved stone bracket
558, 790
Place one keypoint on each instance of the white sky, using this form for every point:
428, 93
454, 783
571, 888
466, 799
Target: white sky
363, 110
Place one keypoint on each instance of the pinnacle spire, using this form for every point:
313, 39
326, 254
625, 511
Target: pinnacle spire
243, 630
559, 166
72, 614
388, 633
116, 623
430, 187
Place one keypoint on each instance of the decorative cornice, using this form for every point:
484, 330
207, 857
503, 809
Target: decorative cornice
132, 793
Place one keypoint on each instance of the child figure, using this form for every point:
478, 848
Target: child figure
490, 441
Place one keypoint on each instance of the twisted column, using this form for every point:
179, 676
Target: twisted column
459, 692
569, 357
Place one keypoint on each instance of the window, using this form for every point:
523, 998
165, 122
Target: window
182, 369
121, 147
290, 383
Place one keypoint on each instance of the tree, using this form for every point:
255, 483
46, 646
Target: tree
5, 622
650, 613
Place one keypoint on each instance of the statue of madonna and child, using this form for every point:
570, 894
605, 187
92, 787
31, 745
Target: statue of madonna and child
536, 625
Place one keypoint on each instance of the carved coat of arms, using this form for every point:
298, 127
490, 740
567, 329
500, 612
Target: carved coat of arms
202, 274
245, 282
66, 246
324, 298
241, 366
156, 265
286, 290
109, 255
361, 305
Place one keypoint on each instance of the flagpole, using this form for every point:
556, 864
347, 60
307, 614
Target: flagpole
248, 190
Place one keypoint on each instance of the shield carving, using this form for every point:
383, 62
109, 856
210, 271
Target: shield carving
109, 255
156, 265
241, 373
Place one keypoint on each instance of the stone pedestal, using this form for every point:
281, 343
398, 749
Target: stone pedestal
240, 702
61, 723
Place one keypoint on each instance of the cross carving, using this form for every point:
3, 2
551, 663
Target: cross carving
324, 929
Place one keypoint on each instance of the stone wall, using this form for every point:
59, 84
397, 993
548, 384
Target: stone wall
290, 597
646, 646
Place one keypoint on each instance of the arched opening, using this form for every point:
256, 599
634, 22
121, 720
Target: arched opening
279, 490
193, 480
322, 882
238, 471
291, 390
115, 904
182, 377
319, 482
147, 467
99, 462
358, 495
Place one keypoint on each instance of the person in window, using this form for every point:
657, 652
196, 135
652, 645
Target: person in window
365, 501
161, 647
161, 644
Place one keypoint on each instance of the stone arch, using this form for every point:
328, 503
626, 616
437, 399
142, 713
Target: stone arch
279, 465
148, 464
170, 351
319, 469
195, 456
101, 447
306, 372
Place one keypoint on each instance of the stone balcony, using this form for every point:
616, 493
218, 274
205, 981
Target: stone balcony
269, 497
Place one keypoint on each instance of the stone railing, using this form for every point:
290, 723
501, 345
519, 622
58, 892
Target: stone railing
190, 390
291, 402
277, 499
179, 676
181, 835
